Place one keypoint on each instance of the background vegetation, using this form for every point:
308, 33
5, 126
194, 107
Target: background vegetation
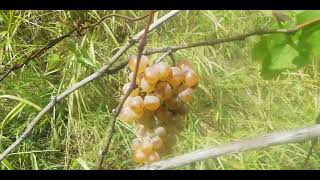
233, 101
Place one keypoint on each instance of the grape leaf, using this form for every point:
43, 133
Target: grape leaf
282, 58
307, 16
310, 36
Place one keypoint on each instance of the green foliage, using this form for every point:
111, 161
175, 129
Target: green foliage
281, 52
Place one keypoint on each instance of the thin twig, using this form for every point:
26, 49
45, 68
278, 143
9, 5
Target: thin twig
230, 39
292, 136
133, 85
55, 41
163, 56
104, 69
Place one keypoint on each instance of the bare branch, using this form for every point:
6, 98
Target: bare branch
133, 85
55, 41
292, 136
104, 69
230, 39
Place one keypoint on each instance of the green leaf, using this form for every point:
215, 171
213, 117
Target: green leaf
307, 16
259, 51
310, 36
53, 61
282, 58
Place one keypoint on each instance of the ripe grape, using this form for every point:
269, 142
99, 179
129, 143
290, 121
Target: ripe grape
151, 102
136, 144
151, 74
135, 103
127, 114
173, 103
144, 62
176, 76
146, 86
184, 65
147, 116
186, 95
147, 147
160, 131
126, 87
191, 78
157, 142
138, 79
162, 114
163, 90
139, 156
141, 130
153, 157
163, 70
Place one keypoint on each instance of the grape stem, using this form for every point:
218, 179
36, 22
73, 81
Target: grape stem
132, 86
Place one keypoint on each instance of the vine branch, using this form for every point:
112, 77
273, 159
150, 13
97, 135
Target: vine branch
230, 39
292, 136
133, 85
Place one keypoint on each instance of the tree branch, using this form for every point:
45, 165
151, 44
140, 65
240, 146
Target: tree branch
230, 39
133, 85
292, 136
104, 69
55, 41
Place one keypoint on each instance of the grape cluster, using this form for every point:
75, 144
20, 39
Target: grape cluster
157, 105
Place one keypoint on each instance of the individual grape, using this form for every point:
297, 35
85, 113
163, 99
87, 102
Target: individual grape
181, 88
173, 103
151, 102
162, 114
186, 95
153, 157
127, 115
147, 116
163, 70
136, 144
176, 76
157, 142
138, 79
135, 103
191, 78
160, 131
141, 130
184, 65
144, 62
171, 139
163, 90
147, 147
139, 156
146, 86
183, 109
126, 87
151, 74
